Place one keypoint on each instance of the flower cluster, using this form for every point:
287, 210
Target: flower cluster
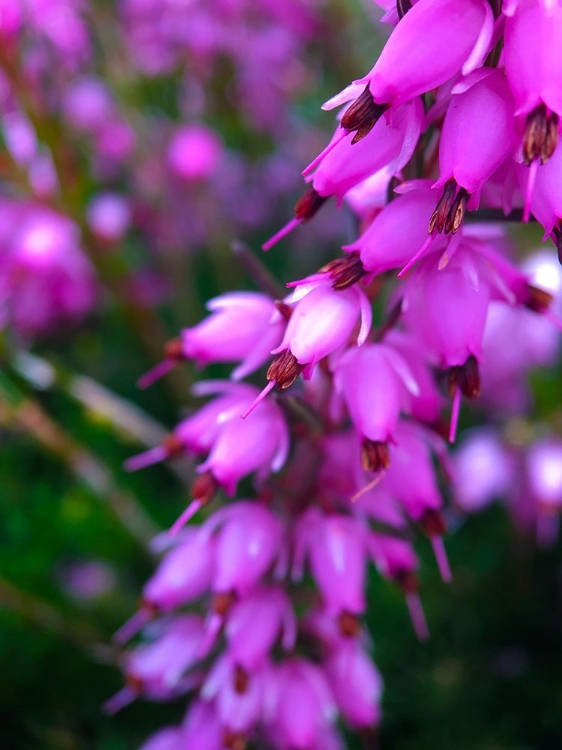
161, 174
347, 442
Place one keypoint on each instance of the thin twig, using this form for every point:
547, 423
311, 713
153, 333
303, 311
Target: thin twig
257, 271
26, 414
44, 614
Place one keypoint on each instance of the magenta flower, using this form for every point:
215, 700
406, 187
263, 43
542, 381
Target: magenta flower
337, 561
300, 705
456, 38
356, 685
477, 135
373, 380
194, 153
390, 144
243, 327
254, 625
45, 279
158, 669
397, 232
322, 321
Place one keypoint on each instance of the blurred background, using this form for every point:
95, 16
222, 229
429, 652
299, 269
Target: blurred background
139, 139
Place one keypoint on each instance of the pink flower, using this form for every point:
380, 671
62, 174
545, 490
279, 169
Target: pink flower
356, 685
194, 153
300, 705
243, 327
456, 37
477, 134
323, 320
390, 144
532, 62
397, 232
247, 543
255, 623
373, 380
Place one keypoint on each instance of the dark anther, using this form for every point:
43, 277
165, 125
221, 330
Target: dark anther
241, 680
284, 369
204, 488
374, 455
538, 300
344, 271
222, 602
349, 624
449, 213
541, 135
407, 580
402, 7
558, 239
309, 204
234, 740
465, 377
362, 116
173, 446
285, 309
433, 523
174, 350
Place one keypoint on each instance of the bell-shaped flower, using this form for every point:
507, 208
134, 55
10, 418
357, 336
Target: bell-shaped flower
391, 143
158, 669
397, 232
238, 701
243, 447
197, 433
243, 327
373, 379
183, 575
356, 685
255, 623
446, 309
336, 554
484, 470
532, 61
247, 543
477, 135
456, 36
323, 320
299, 705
